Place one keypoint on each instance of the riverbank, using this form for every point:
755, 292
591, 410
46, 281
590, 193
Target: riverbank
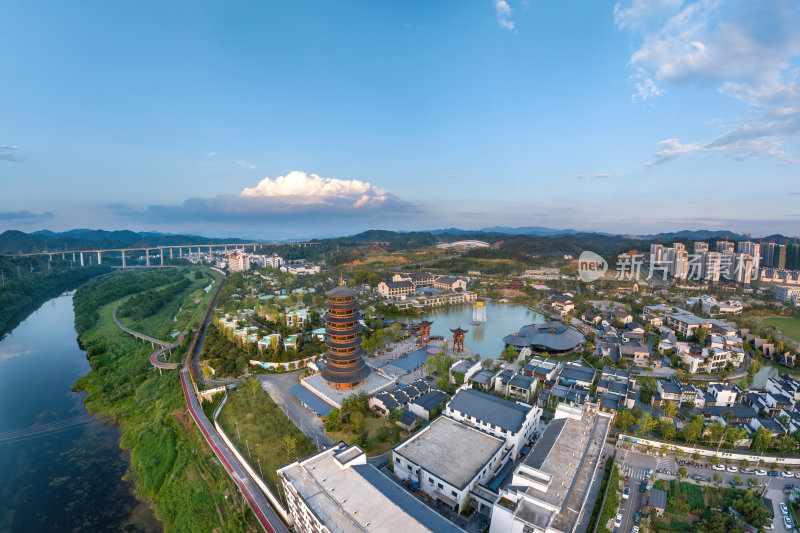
170, 464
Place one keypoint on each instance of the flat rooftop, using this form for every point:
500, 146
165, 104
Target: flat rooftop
568, 451
359, 498
450, 450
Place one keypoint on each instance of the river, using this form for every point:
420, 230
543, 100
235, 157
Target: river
485, 339
60, 469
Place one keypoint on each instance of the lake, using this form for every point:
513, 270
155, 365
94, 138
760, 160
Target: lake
60, 468
485, 339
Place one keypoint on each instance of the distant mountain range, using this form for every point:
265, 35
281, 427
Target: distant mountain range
541, 231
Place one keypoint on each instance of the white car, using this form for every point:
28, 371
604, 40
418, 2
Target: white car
784, 509
786, 474
635, 529
760, 472
626, 493
787, 522
732, 469
618, 520
718, 467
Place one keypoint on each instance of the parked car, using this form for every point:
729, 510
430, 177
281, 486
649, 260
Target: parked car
649, 472
636, 518
625, 493
789, 486
786, 474
643, 486
787, 522
773, 473
760, 472
718, 468
746, 470
635, 529
618, 520
697, 477
732, 469
784, 509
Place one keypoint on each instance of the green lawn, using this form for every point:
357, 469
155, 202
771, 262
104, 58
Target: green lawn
375, 445
258, 427
170, 463
789, 326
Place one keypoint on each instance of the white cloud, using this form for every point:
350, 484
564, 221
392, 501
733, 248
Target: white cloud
245, 164
743, 49
299, 188
591, 176
8, 152
211, 154
503, 11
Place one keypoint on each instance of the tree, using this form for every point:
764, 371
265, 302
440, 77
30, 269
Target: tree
714, 460
670, 410
682, 472
357, 421
624, 419
646, 424
290, 445
744, 463
696, 456
761, 440
334, 420
668, 431
786, 445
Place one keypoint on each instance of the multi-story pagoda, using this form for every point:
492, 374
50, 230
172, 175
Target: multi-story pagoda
344, 368
458, 339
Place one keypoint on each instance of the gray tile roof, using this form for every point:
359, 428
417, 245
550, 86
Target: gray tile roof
418, 510
431, 400
507, 415
541, 450
658, 499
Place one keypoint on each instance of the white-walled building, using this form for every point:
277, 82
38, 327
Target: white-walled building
238, 260
447, 460
337, 491
514, 422
550, 488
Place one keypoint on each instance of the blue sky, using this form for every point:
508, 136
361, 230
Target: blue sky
299, 119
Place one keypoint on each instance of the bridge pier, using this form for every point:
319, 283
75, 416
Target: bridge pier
73, 257
162, 256
171, 252
99, 259
81, 254
180, 252
147, 257
226, 249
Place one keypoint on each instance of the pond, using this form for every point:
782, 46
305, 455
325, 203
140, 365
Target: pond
485, 339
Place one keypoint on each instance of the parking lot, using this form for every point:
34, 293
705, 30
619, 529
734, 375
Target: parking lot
635, 466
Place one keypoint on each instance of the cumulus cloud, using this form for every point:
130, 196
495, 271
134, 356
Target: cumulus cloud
8, 152
742, 49
211, 154
503, 12
245, 164
25, 216
292, 199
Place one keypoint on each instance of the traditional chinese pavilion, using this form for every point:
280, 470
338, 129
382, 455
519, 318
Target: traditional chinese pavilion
458, 339
424, 332
344, 367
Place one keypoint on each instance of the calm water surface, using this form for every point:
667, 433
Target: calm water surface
60, 470
485, 339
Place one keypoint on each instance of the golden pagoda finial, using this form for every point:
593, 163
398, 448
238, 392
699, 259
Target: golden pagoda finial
341, 279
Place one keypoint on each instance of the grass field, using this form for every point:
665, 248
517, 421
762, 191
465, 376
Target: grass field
374, 445
257, 427
170, 463
789, 326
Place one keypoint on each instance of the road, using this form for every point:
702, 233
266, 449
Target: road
265, 515
278, 385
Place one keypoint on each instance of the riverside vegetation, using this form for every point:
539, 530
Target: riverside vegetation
170, 463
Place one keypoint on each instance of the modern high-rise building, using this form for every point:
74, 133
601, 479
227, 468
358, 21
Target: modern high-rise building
656, 251
753, 249
712, 267
700, 247
793, 256
238, 260
344, 368
725, 246
743, 270
779, 257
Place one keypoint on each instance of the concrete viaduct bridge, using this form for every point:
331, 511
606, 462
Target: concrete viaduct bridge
161, 251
